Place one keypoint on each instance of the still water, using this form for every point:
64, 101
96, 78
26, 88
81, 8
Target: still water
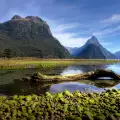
90, 86
9, 83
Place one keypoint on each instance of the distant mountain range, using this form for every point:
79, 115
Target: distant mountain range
30, 37
117, 55
72, 50
91, 50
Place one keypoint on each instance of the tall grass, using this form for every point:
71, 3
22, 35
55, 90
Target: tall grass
22, 63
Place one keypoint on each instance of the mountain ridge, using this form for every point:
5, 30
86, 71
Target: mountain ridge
92, 49
33, 35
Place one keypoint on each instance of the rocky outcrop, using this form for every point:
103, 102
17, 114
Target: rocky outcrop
93, 75
16, 17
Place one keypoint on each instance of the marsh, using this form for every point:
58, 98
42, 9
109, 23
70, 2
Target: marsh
10, 84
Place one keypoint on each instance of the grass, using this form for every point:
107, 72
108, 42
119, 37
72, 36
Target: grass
22, 63
62, 106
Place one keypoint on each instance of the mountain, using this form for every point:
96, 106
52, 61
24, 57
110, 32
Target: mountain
93, 50
72, 50
30, 37
117, 54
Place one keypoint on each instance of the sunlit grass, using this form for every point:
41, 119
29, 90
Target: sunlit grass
22, 63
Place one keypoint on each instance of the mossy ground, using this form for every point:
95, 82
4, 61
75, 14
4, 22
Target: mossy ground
62, 106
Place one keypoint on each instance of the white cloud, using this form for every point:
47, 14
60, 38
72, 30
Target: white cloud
107, 31
29, 10
67, 39
63, 27
59, 30
113, 18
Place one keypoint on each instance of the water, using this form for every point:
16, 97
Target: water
95, 86
10, 85
86, 68
72, 86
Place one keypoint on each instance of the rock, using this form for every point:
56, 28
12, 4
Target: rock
16, 17
39, 77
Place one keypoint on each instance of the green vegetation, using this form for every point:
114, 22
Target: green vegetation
62, 106
36, 41
8, 53
23, 63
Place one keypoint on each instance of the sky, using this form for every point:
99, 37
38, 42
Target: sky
72, 22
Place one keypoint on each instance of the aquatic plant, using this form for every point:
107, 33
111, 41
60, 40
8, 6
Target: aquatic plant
62, 106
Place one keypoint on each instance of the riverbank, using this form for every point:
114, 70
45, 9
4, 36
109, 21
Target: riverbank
62, 106
24, 63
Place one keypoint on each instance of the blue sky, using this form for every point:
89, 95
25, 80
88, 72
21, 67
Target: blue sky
72, 22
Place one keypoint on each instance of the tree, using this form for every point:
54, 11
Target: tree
8, 53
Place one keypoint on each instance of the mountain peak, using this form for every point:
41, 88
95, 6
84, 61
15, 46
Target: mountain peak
93, 37
93, 40
15, 17
93, 50
36, 18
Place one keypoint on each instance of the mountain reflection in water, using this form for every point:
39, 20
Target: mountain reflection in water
10, 84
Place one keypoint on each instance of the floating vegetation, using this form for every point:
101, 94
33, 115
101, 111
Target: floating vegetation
62, 106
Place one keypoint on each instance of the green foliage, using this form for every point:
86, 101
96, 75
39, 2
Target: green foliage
28, 98
67, 93
62, 106
8, 53
100, 117
117, 114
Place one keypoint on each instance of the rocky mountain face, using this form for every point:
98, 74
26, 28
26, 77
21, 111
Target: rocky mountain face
30, 37
93, 50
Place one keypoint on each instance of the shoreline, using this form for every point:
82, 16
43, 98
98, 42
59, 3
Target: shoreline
26, 63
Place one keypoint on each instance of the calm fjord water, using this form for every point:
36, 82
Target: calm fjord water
9, 86
87, 86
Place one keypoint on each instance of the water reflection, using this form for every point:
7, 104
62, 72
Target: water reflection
77, 69
7, 76
10, 87
115, 68
71, 70
19, 87
84, 86
72, 86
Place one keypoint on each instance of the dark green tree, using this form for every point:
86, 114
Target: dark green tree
8, 53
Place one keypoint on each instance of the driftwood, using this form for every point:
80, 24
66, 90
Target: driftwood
93, 75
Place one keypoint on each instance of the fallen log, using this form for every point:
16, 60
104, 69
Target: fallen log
93, 75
